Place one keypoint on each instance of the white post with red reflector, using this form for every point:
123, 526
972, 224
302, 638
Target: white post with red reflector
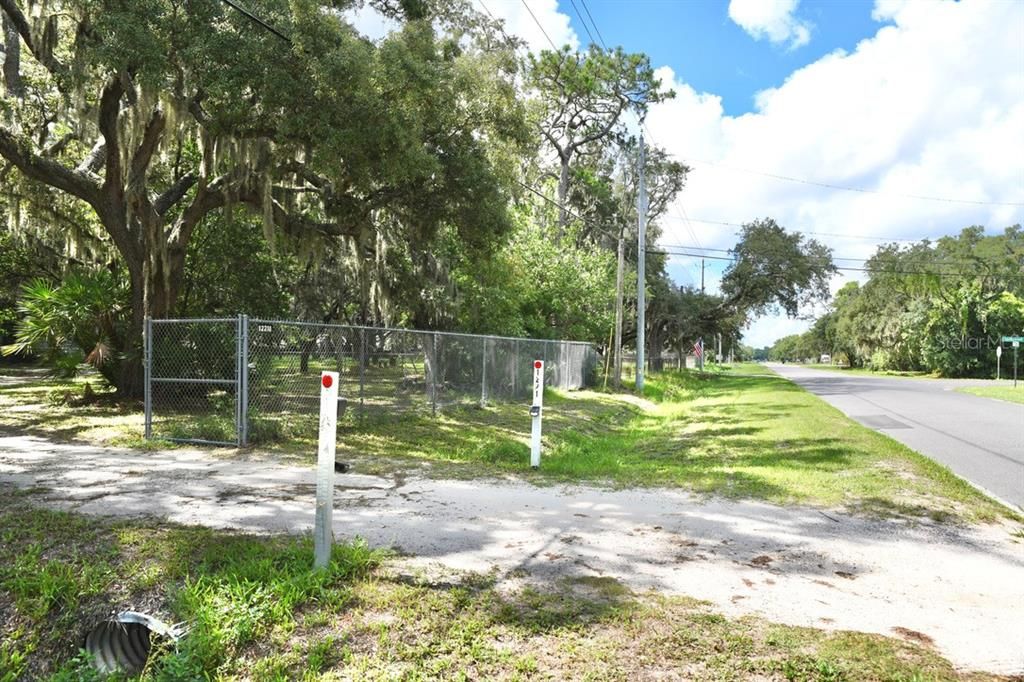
323, 527
535, 411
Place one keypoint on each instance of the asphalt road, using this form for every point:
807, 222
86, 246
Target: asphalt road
980, 439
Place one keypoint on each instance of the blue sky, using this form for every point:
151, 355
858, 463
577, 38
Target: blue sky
714, 54
891, 99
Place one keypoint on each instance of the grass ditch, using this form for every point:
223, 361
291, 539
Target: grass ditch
259, 613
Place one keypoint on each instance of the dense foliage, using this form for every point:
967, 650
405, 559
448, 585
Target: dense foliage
939, 307
187, 160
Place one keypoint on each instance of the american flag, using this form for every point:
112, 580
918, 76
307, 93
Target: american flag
698, 348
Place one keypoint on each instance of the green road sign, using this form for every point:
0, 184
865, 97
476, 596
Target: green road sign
1013, 339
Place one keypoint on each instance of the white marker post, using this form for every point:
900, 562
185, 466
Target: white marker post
535, 411
323, 527
999, 354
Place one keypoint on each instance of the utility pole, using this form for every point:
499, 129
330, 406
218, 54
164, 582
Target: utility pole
702, 275
641, 275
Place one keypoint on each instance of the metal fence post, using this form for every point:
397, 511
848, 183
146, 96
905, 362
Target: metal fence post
362, 370
515, 367
244, 388
339, 355
433, 374
238, 380
547, 369
483, 380
147, 370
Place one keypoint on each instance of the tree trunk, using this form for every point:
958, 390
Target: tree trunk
131, 376
156, 273
12, 58
655, 362
563, 193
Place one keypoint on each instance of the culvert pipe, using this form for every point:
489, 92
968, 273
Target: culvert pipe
125, 642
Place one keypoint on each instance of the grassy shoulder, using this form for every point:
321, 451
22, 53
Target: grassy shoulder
740, 432
258, 612
1008, 393
764, 437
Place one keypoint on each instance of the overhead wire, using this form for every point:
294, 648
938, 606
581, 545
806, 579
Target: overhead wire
584, 22
945, 262
687, 253
684, 250
252, 17
680, 250
838, 235
862, 190
587, 9
787, 178
539, 25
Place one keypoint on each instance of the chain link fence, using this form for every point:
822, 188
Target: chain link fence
241, 380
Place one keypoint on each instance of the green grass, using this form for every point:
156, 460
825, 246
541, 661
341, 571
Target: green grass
51, 408
258, 612
1009, 393
738, 432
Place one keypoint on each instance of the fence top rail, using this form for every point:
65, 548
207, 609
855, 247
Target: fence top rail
334, 325
204, 320
299, 323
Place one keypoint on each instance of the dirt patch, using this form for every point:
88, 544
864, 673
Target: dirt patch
959, 584
913, 635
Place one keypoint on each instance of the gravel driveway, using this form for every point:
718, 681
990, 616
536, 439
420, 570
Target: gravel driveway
960, 589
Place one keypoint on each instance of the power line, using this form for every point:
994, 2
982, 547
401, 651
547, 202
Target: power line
689, 226
284, 37
553, 46
945, 262
667, 249
583, 21
587, 9
819, 234
253, 17
500, 24
862, 190
551, 201
844, 268
686, 250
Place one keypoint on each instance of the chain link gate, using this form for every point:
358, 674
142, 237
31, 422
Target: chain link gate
240, 380
195, 382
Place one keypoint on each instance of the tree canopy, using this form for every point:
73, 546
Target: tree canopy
938, 306
197, 158
134, 121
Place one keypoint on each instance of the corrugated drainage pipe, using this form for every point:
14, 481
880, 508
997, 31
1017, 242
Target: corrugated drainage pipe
125, 642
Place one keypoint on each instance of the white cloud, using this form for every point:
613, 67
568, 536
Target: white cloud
518, 22
771, 19
932, 105
550, 22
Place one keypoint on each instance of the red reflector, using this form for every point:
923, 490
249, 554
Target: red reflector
537, 364
326, 380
